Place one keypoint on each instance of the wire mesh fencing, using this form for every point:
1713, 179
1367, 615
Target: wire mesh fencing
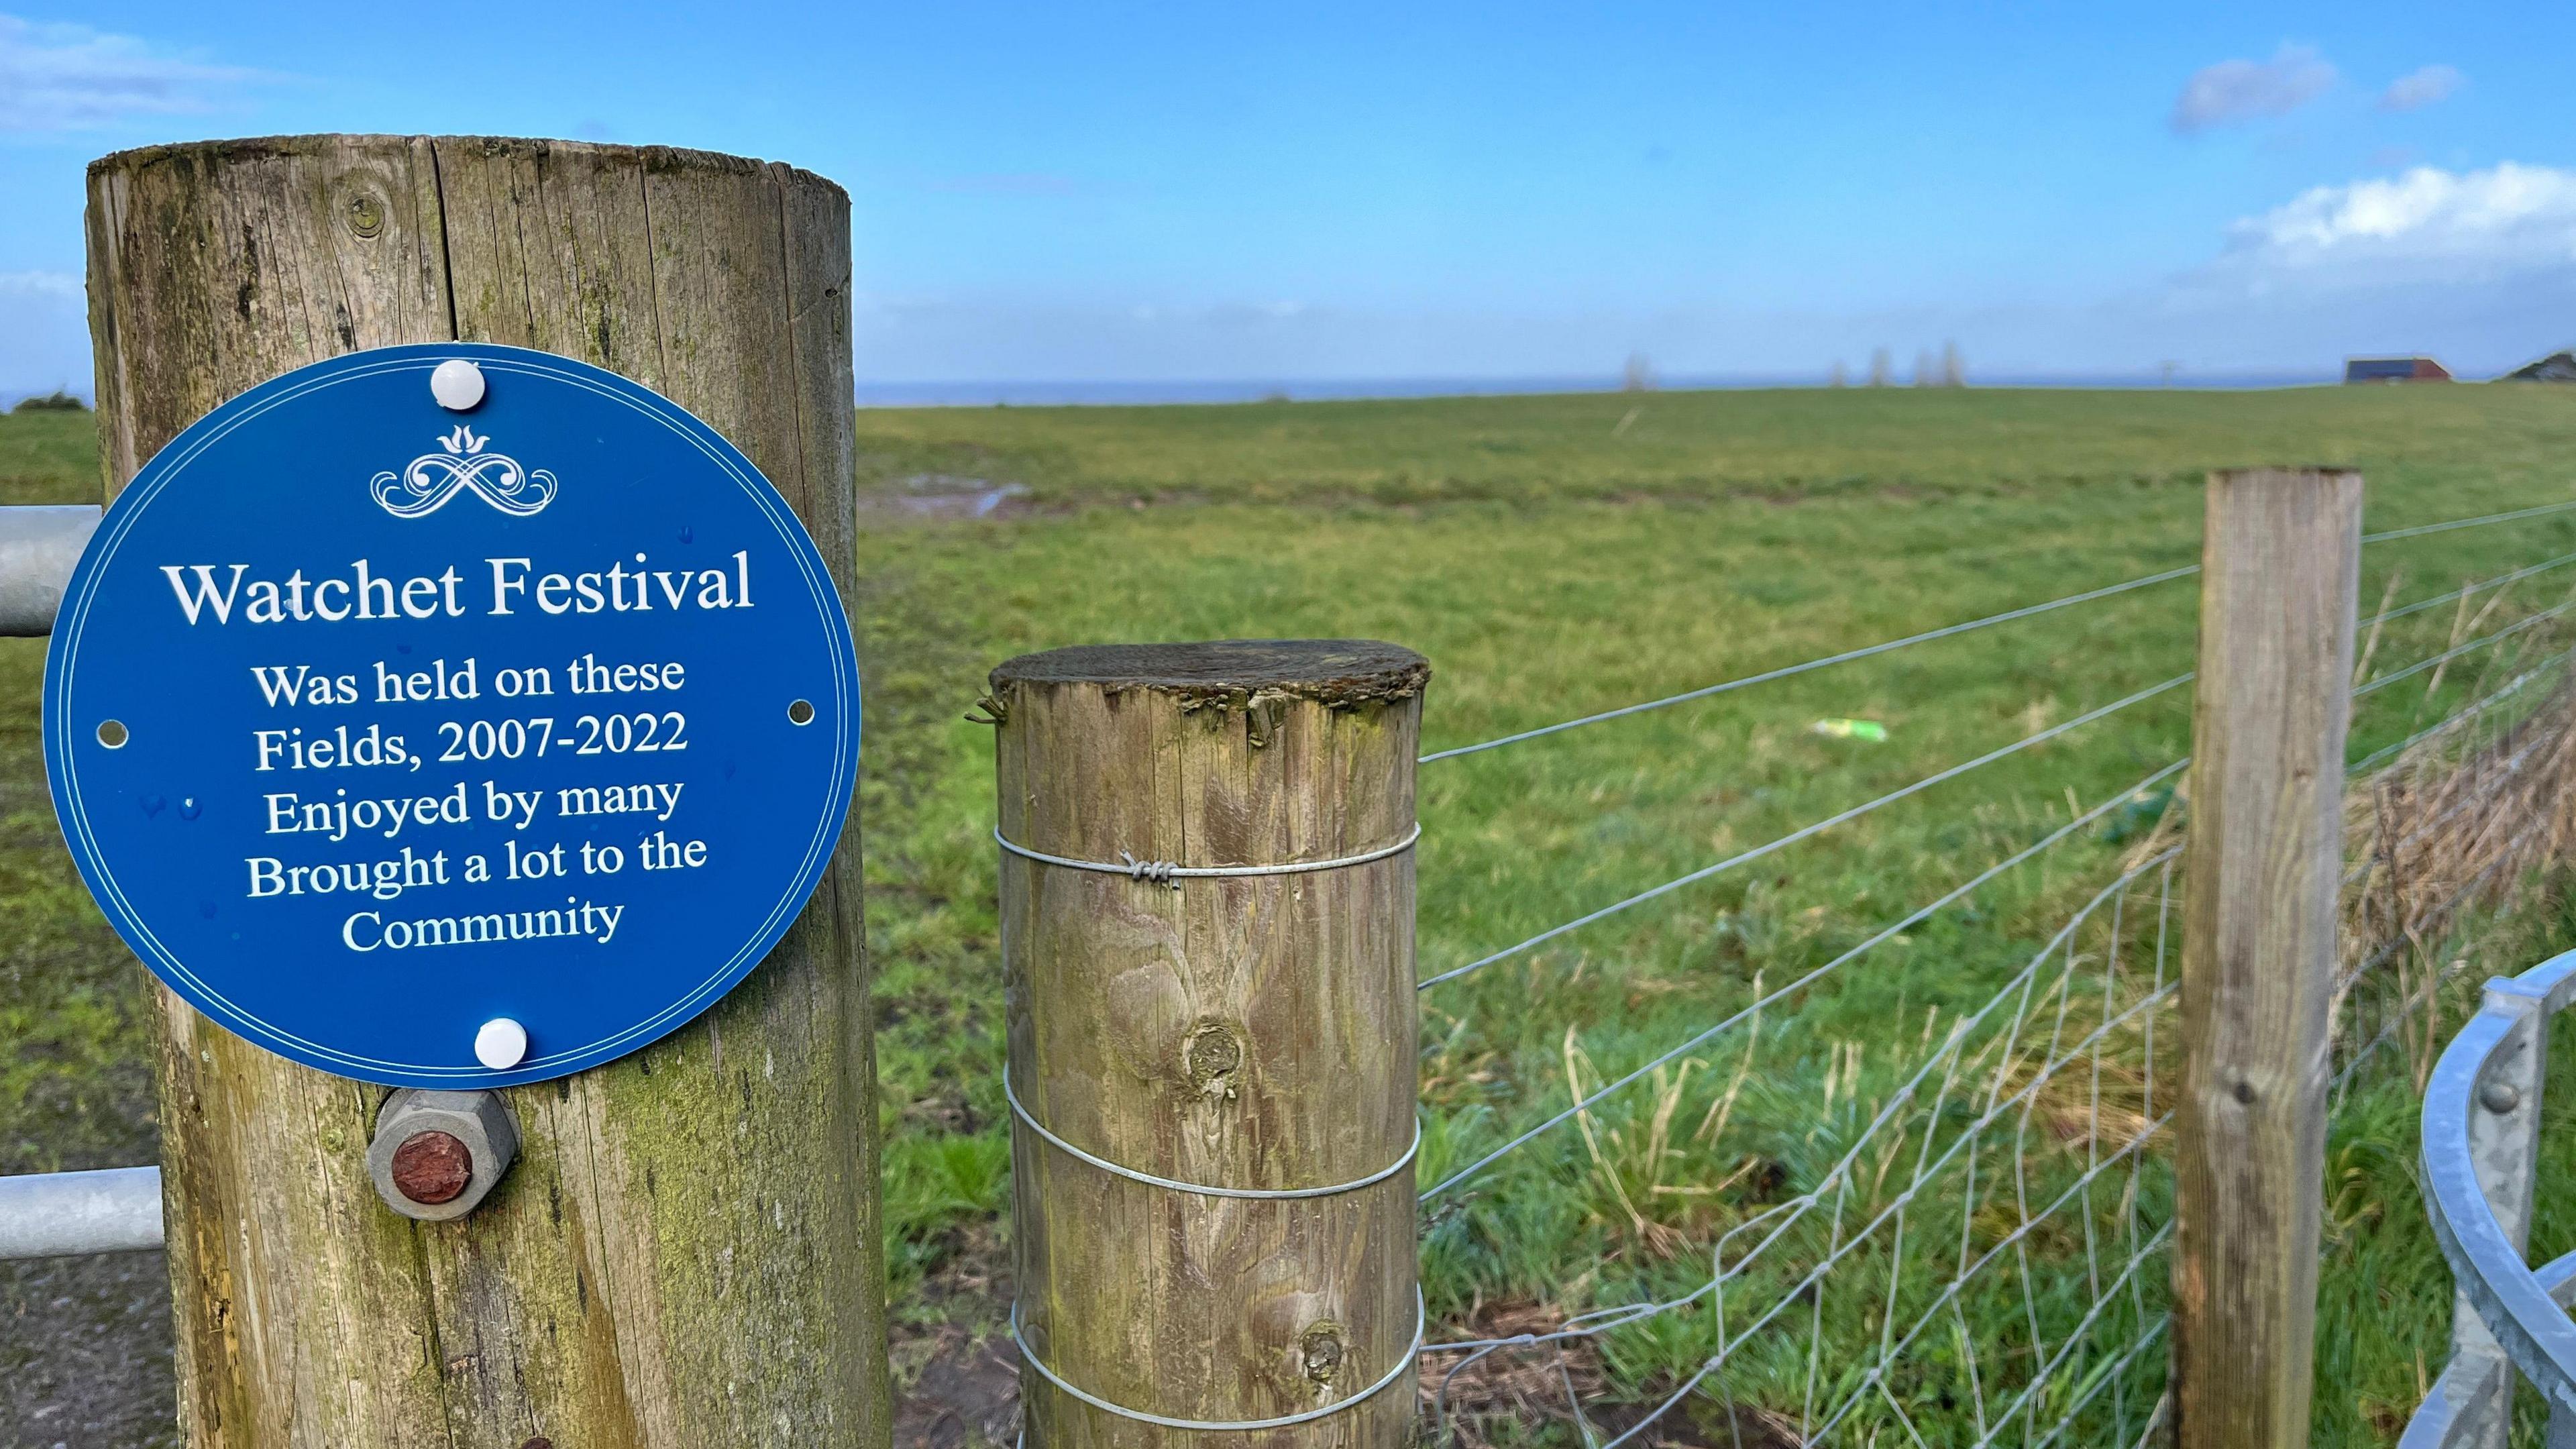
1904, 1264
1908, 1182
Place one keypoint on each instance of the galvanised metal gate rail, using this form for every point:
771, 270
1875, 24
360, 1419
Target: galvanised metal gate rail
58, 1214
2481, 1144
48, 1214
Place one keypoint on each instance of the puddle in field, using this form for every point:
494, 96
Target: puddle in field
944, 495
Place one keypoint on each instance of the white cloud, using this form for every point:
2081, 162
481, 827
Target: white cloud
2421, 88
70, 77
44, 334
2234, 91
2425, 225
40, 284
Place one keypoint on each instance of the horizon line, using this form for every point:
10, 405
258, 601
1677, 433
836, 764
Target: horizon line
1171, 391
1094, 392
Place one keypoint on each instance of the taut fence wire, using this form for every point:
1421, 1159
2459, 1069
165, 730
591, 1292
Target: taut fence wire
2027, 611
1812, 828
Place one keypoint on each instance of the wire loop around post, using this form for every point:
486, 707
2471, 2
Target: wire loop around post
1167, 873
1028, 1355
1202, 1189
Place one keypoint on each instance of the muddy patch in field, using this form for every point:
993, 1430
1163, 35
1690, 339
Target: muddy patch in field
1471, 1402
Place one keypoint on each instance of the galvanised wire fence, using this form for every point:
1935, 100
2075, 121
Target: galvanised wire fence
1956, 1232
1952, 1228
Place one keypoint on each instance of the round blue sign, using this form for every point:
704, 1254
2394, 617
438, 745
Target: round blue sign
451, 716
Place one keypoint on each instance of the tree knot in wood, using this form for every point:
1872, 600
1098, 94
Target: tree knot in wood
366, 214
1320, 1351
1211, 1055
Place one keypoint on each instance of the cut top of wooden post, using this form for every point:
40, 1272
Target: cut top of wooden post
1328, 671
1231, 752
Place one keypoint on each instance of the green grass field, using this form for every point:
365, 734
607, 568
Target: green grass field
1555, 556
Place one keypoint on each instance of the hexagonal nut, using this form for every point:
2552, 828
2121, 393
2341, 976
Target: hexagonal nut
428, 1141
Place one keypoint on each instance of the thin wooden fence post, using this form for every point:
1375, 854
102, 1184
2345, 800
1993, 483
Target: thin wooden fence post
687, 1252
2281, 564
1212, 1151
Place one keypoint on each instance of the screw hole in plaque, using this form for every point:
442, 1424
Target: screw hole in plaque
801, 712
111, 733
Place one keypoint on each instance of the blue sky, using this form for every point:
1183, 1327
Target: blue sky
1208, 191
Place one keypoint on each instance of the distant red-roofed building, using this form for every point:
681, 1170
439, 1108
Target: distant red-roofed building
2394, 369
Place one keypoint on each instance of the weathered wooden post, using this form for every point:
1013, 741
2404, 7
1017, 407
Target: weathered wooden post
1207, 918
2281, 564
687, 1251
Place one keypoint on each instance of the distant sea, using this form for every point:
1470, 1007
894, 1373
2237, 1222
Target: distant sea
1132, 394
1113, 394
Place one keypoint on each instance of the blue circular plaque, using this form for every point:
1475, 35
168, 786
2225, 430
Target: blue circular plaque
451, 736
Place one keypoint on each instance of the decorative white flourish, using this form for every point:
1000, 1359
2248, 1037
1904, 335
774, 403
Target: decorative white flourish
431, 479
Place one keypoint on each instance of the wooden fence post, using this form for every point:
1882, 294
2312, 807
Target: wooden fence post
2281, 561
1246, 1032
687, 1253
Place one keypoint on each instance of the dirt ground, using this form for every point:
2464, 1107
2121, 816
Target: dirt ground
85, 1353
85, 1357
957, 1374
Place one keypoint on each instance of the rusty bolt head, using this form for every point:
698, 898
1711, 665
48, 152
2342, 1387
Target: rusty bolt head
432, 1167
437, 1155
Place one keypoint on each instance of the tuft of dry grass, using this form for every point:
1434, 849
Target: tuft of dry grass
2441, 827
1633, 1166
2454, 822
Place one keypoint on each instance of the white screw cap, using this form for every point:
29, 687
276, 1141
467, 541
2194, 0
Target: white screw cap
502, 1043
457, 384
